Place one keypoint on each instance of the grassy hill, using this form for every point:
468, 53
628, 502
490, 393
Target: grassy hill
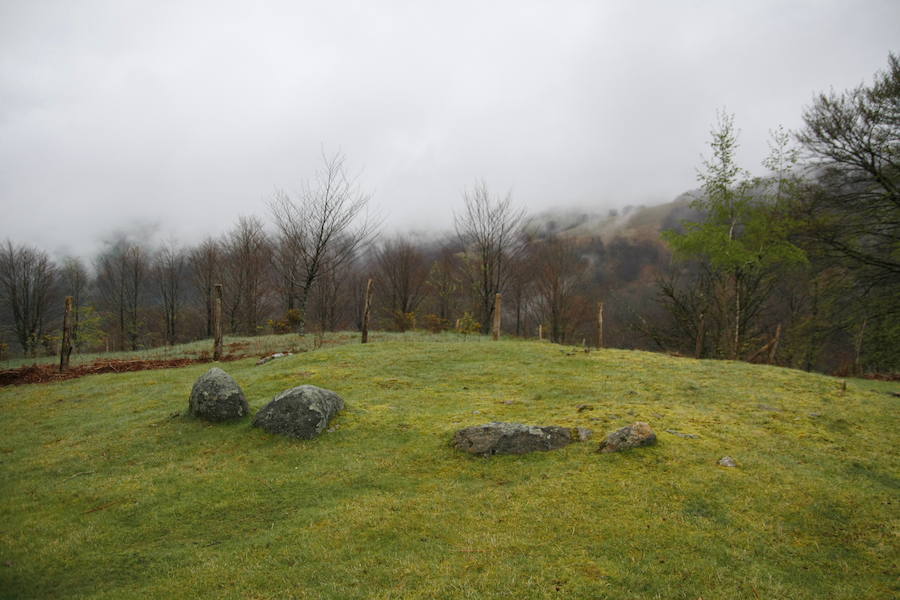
109, 491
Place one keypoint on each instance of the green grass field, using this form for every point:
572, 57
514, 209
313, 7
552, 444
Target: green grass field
109, 491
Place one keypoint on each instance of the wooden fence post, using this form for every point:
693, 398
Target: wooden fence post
496, 328
775, 344
65, 346
541, 331
367, 307
600, 324
217, 323
698, 346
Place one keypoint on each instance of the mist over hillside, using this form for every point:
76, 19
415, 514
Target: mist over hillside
631, 221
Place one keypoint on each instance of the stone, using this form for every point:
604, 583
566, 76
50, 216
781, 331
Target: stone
687, 436
632, 436
726, 461
584, 407
511, 438
302, 412
271, 357
216, 396
584, 434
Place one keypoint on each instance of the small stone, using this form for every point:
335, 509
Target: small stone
476, 412
584, 434
509, 402
726, 461
687, 436
633, 436
584, 407
271, 357
815, 415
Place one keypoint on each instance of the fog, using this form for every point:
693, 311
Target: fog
178, 117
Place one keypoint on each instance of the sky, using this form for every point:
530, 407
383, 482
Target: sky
174, 118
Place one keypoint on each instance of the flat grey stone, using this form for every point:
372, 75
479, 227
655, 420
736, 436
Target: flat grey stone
511, 438
687, 436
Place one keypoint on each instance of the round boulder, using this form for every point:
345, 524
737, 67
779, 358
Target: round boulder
632, 436
216, 396
301, 412
510, 438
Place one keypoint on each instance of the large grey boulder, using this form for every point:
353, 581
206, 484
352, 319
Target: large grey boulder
301, 412
632, 436
510, 438
216, 396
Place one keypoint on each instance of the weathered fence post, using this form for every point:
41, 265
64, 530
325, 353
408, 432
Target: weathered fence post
496, 328
775, 344
698, 346
541, 331
600, 324
65, 346
217, 323
367, 307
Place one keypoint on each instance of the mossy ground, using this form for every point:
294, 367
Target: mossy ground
108, 493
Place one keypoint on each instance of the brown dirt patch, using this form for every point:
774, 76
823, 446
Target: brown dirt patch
46, 373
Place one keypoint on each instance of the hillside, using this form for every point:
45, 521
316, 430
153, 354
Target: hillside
631, 222
109, 491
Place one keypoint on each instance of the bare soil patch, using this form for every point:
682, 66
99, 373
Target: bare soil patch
48, 372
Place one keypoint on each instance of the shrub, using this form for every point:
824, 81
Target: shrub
468, 324
436, 324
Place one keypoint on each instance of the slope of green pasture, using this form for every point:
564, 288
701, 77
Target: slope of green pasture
107, 489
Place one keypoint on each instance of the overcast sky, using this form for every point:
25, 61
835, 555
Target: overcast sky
184, 115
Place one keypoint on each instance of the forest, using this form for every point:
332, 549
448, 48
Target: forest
799, 267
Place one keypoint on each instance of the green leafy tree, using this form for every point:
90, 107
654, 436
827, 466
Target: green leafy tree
851, 213
744, 236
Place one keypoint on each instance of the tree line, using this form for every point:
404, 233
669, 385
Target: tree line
800, 267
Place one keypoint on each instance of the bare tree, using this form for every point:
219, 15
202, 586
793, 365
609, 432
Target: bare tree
121, 275
26, 281
402, 273
287, 265
168, 272
74, 280
488, 229
206, 268
443, 281
330, 207
521, 290
247, 252
558, 270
